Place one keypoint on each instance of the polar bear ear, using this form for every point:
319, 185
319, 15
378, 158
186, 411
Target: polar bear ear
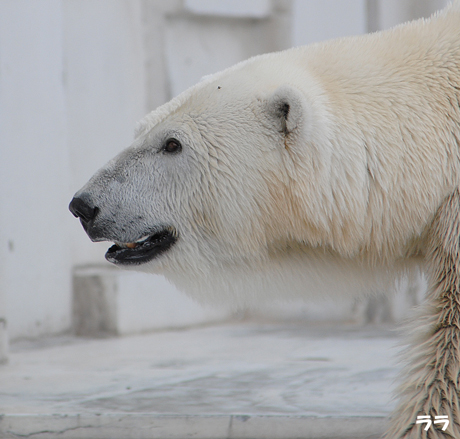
285, 109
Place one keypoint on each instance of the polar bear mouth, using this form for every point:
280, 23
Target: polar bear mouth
143, 250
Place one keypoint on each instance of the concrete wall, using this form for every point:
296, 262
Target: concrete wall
75, 76
36, 262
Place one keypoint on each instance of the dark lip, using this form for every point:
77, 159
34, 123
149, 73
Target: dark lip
150, 249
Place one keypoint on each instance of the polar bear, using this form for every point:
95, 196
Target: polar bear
318, 170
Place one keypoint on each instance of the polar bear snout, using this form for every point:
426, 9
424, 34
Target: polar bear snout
135, 243
82, 208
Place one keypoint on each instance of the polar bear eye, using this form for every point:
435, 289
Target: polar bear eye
172, 146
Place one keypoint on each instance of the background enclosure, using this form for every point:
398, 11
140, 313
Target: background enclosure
75, 77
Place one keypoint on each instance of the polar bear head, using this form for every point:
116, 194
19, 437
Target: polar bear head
272, 166
207, 180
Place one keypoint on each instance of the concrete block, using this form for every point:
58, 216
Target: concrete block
110, 301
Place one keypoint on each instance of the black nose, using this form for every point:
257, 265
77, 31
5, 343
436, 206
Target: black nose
82, 208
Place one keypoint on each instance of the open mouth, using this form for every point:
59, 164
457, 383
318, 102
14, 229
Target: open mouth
142, 250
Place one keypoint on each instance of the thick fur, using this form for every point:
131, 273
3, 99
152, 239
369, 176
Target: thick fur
431, 379
320, 170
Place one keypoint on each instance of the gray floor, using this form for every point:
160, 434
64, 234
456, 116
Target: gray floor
236, 380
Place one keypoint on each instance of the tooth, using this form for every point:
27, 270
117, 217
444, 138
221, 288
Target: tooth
143, 239
131, 245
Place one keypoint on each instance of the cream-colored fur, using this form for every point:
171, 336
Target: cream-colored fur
431, 380
321, 170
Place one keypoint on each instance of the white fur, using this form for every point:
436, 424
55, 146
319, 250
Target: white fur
319, 171
363, 174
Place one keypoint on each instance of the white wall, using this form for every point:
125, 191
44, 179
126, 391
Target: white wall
72, 86
75, 76
35, 268
393, 12
315, 20
192, 54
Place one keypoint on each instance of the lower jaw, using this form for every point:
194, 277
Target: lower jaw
141, 254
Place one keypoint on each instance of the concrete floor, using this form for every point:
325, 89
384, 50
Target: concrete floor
236, 380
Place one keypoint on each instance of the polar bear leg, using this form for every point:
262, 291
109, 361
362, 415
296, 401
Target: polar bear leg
431, 378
